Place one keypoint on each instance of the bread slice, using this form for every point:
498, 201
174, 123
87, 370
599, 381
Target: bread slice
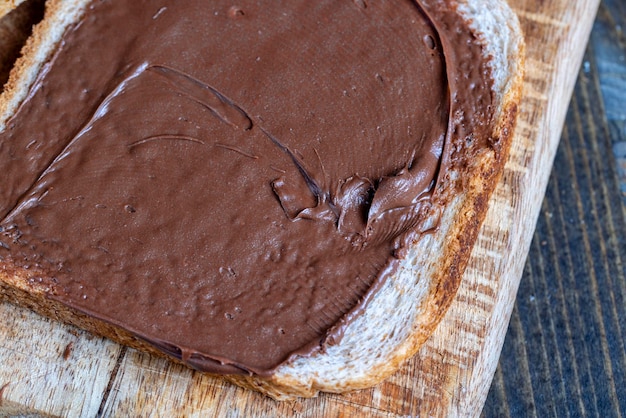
7, 5
15, 28
405, 310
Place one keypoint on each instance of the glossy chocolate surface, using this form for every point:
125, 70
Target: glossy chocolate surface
228, 182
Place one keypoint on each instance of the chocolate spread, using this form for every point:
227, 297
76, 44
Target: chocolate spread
231, 181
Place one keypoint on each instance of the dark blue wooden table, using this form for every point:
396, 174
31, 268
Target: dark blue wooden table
564, 354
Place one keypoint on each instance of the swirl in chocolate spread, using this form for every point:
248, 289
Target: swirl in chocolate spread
231, 183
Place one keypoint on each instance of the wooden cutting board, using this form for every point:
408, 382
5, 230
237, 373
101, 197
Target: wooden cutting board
56, 370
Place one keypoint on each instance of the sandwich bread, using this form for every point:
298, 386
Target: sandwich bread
389, 224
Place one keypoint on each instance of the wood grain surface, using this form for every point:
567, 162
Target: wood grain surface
54, 370
565, 353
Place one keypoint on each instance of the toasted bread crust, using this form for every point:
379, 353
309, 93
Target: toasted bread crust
426, 291
36, 52
8, 5
15, 28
